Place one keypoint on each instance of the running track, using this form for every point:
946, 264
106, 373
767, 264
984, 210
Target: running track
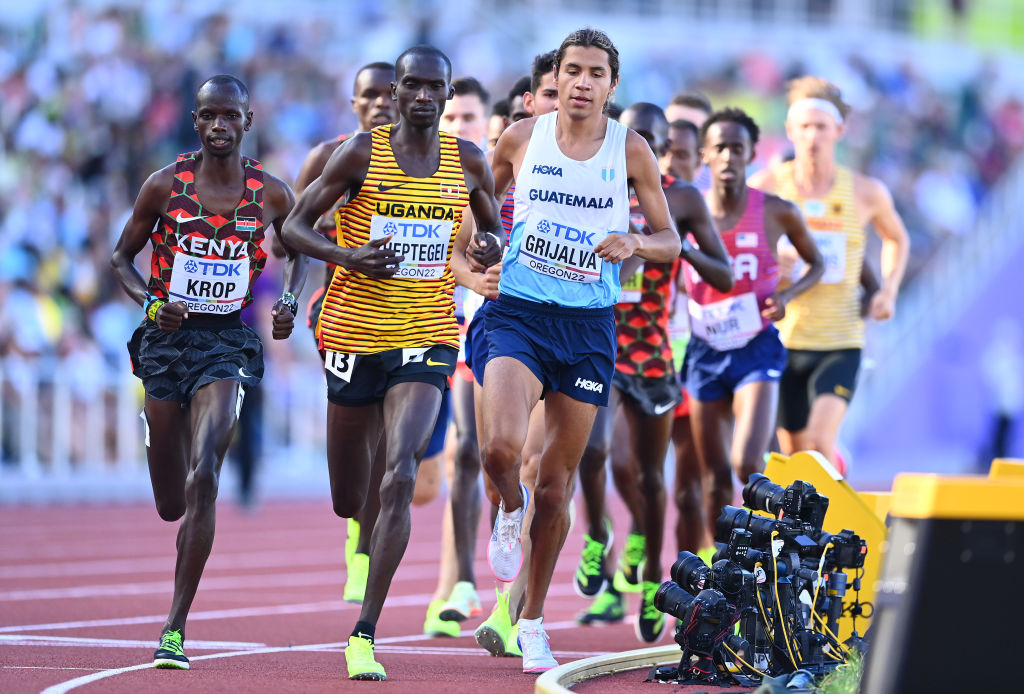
84, 591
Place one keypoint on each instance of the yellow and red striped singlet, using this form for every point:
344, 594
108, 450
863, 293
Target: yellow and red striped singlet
364, 315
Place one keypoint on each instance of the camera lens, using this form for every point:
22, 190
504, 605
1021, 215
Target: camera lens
731, 517
690, 572
672, 599
762, 494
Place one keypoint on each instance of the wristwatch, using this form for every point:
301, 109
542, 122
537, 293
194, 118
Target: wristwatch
686, 249
289, 302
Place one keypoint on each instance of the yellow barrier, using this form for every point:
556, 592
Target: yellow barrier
846, 509
1006, 468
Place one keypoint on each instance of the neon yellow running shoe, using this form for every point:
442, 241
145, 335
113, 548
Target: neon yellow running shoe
631, 564
360, 660
497, 634
355, 584
434, 625
170, 654
352, 540
651, 621
707, 554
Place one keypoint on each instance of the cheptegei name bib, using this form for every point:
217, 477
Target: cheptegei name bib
562, 251
209, 285
422, 242
726, 324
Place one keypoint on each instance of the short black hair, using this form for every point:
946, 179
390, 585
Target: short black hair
693, 100
221, 80
500, 108
683, 124
731, 115
522, 85
613, 110
379, 65
590, 38
427, 50
542, 65
645, 108
471, 85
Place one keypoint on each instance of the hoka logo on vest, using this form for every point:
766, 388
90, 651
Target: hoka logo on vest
547, 170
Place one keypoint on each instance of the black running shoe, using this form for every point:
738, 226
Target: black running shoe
171, 653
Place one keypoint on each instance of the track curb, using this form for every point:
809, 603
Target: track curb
559, 680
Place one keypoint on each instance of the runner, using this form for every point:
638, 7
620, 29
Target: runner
695, 108
192, 352
388, 323
372, 105
645, 384
551, 330
734, 358
681, 158
823, 329
497, 123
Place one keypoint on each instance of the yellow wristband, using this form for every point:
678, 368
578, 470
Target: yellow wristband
154, 306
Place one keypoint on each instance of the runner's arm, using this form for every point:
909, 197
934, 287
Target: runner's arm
474, 278
786, 218
709, 258
663, 244
489, 240
279, 201
895, 247
345, 171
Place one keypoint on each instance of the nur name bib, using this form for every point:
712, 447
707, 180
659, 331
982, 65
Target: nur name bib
726, 324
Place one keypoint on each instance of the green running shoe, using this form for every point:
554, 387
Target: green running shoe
497, 635
434, 625
355, 584
707, 554
631, 564
360, 660
590, 576
651, 621
170, 655
608, 608
352, 540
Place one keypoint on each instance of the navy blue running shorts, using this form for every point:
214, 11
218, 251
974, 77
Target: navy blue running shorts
569, 350
477, 346
710, 374
440, 433
355, 380
173, 366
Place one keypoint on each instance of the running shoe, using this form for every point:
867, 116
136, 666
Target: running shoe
360, 660
627, 577
590, 577
707, 554
608, 608
355, 584
170, 655
351, 540
651, 621
434, 625
534, 643
505, 550
495, 635
462, 604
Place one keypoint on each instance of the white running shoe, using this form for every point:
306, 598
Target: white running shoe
534, 643
462, 604
505, 550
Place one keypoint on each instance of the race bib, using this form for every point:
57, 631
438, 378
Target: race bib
633, 288
726, 324
340, 364
831, 245
423, 243
209, 285
562, 251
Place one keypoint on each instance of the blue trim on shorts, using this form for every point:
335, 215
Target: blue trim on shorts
440, 433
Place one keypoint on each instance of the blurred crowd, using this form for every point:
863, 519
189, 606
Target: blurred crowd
93, 100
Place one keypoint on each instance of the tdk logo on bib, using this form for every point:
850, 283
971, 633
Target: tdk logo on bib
416, 230
547, 170
566, 233
212, 269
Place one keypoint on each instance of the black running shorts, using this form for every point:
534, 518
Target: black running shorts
654, 396
355, 380
173, 366
810, 373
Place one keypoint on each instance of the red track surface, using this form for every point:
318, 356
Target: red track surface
84, 591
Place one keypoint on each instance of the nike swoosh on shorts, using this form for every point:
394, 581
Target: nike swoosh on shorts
431, 362
662, 409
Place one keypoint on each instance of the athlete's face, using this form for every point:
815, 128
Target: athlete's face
727, 150
517, 109
495, 127
421, 89
647, 126
464, 117
813, 133
584, 82
674, 112
372, 102
220, 118
545, 99
681, 158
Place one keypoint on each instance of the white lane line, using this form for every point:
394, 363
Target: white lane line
89, 642
45, 667
64, 687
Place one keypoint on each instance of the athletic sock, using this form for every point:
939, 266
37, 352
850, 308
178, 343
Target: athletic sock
364, 629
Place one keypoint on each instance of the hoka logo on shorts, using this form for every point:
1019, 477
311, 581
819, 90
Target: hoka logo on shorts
592, 386
547, 170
